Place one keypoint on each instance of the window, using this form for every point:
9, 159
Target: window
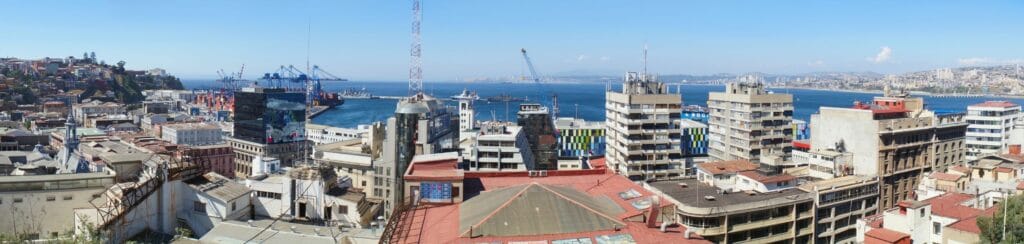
922, 212
936, 228
51, 198
233, 206
343, 209
67, 198
199, 206
17, 200
455, 191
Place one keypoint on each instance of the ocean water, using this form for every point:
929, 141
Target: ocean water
584, 100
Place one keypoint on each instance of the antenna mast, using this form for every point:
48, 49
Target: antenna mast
415, 69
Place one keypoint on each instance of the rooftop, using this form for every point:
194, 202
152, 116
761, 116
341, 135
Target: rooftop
886, 235
838, 182
721, 167
945, 176
995, 104
700, 198
218, 187
757, 176
951, 205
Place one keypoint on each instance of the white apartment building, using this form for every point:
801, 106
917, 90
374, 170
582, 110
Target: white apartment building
824, 163
322, 134
746, 122
499, 147
192, 134
643, 129
988, 127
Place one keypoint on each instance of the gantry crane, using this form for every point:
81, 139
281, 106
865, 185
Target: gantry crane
541, 89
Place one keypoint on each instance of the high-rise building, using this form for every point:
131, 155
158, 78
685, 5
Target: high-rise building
988, 127
467, 114
499, 146
421, 125
746, 122
894, 138
269, 123
643, 131
536, 121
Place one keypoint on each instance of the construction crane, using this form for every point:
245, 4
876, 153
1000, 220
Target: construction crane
541, 89
231, 81
415, 63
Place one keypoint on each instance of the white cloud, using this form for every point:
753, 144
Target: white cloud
581, 57
816, 63
884, 55
988, 61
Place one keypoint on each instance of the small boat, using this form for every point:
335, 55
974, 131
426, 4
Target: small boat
352, 93
506, 98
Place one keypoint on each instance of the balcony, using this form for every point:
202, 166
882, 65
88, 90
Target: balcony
762, 223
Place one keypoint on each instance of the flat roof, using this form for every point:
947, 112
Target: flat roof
694, 197
732, 166
843, 181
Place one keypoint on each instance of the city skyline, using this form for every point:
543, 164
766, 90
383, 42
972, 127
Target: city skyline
370, 41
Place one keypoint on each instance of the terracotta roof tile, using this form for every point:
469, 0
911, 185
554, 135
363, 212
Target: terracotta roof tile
886, 235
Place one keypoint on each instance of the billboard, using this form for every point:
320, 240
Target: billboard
436, 191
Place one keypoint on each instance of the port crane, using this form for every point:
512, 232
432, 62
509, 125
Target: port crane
541, 89
231, 81
286, 76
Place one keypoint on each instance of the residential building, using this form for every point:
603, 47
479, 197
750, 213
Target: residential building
499, 146
313, 194
947, 218
643, 130
538, 125
192, 134
747, 121
458, 206
824, 163
989, 126
269, 122
467, 112
579, 138
893, 138
838, 204
84, 111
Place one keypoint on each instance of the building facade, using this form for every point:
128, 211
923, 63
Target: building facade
539, 127
746, 121
192, 134
839, 203
579, 138
322, 134
989, 126
500, 147
269, 122
642, 128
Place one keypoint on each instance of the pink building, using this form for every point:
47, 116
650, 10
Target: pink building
214, 158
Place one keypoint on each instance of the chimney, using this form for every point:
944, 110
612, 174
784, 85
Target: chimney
1015, 149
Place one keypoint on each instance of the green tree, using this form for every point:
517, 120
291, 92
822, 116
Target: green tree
992, 226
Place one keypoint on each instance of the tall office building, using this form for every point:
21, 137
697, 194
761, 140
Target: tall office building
421, 125
746, 122
643, 130
536, 121
894, 138
988, 127
269, 123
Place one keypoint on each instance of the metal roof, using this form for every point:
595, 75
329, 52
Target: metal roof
536, 209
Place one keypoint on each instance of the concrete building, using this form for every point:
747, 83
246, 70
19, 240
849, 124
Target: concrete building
192, 134
838, 204
467, 111
42, 206
580, 138
311, 194
269, 122
694, 142
824, 163
499, 146
565, 206
538, 126
421, 125
322, 134
719, 216
643, 130
894, 138
989, 126
87, 110
747, 121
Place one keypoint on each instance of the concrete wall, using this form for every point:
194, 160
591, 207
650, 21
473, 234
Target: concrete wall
858, 134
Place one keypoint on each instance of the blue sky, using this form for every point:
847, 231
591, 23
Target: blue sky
369, 40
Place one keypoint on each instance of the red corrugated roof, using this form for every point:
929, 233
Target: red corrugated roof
886, 235
995, 104
948, 205
961, 169
971, 224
